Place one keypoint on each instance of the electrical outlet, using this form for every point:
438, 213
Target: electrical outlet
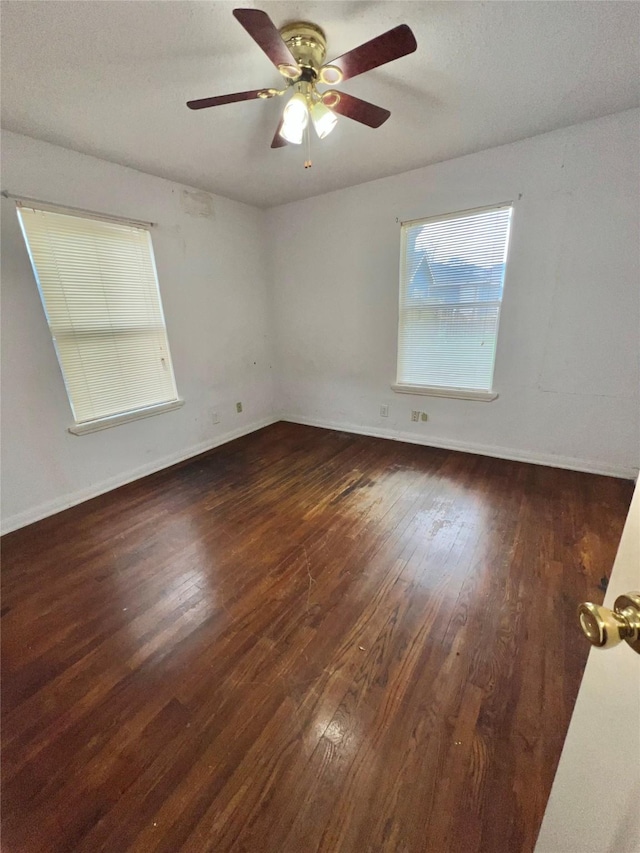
384, 411
424, 416
238, 407
415, 416
215, 418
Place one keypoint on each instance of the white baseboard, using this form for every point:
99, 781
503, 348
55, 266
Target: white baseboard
22, 519
550, 460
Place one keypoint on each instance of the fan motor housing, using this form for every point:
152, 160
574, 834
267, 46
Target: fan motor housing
308, 43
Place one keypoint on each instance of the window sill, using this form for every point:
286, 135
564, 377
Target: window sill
124, 418
455, 393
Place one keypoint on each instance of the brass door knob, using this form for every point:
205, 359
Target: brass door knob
606, 628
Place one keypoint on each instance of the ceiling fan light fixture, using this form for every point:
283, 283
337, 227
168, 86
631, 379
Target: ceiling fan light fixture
330, 74
296, 111
323, 119
295, 118
292, 133
331, 99
291, 72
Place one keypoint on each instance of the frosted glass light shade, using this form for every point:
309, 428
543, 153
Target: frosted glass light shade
295, 119
323, 119
296, 111
292, 132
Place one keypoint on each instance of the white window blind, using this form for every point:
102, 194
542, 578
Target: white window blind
98, 285
451, 281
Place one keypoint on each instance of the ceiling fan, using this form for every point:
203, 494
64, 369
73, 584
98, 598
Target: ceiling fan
298, 51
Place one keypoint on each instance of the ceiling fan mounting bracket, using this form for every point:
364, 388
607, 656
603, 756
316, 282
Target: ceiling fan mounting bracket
308, 44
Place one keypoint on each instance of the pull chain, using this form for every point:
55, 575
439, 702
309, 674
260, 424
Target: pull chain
307, 162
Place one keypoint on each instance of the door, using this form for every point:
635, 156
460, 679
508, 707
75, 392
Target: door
594, 806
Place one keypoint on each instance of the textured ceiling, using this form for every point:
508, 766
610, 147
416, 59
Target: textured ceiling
111, 79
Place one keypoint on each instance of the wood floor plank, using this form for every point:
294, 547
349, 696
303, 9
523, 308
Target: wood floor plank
302, 641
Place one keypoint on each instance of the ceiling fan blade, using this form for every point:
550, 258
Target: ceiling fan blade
264, 32
384, 48
355, 108
226, 99
278, 141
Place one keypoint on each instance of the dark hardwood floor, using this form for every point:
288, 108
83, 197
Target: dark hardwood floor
302, 641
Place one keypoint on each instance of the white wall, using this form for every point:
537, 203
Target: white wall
325, 288
567, 360
213, 283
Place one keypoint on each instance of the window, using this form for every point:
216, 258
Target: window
451, 281
98, 285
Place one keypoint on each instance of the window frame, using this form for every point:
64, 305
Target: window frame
80, 427
454, 392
